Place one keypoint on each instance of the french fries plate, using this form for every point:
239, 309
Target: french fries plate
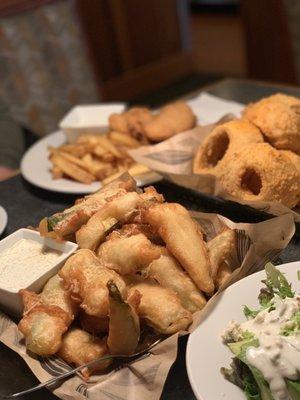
36, 169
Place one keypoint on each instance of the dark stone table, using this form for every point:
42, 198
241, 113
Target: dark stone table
26, 205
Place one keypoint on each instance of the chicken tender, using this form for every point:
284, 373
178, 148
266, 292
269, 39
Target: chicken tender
131, 122
168, 273
124, 324
183, 239
46, 317
160, 308
86, 278
79, 347
221, 250
128, 255
172, 119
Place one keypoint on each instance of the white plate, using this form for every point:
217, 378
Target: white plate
3, 219
206, 353
35, 168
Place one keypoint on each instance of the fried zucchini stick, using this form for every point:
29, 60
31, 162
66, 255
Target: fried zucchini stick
46, 317
124, 324
86, 278
79, 347
71, 219
168, 273
128, 255
160, 307
223, 274
89, 236
93, 325
183, 239
221, 249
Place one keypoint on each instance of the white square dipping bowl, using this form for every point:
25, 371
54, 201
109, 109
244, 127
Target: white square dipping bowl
10, 300
89, 119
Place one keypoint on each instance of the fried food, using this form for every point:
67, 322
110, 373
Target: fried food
46, 317
93, 325
160, 307
70, 169
86, 278
170, 120
96, 157
223, 274
128, 255
168, 273
295, 159
90, 235
56, 172
221, 250
135, 170
183, 239
261, 173
124, 140
70, 220
120, 209
124, 324
134, 229
223, 140
79, 347
278, 117
131, 122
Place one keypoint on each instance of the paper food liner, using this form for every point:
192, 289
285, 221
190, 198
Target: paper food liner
256, 244
173, 158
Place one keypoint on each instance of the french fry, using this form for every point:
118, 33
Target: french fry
90, 140
106, 144
110, 178
56, 173
138, 169
74, 160
124, 140
72, 170
75, 149
99, 151
98, 168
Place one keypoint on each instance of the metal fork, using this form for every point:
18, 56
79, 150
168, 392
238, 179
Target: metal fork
51, 381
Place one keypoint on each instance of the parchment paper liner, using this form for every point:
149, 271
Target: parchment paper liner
256, 245
173, 159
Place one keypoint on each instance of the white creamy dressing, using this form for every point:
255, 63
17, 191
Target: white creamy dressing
24, 262
277, 357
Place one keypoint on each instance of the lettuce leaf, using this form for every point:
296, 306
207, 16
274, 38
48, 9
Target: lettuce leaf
240, 349
293, 389
240, 375
277, 283
293, 326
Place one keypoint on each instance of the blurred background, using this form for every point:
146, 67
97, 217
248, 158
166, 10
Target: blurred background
57, 53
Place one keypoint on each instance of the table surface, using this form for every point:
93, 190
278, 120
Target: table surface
26, 205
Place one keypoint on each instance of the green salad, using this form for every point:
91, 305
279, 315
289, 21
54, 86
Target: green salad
266, 346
